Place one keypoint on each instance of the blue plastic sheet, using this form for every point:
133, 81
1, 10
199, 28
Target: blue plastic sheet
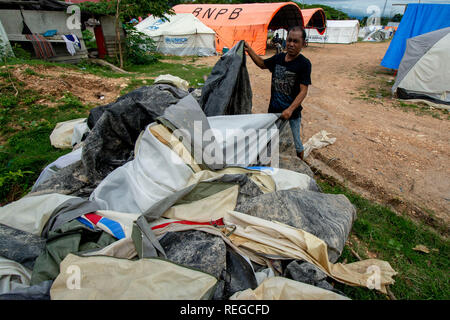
418, 19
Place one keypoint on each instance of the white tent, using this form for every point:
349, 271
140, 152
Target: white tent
364, 32
180, 34
282, 33
338, 31
424, 70
378, 35
5, 46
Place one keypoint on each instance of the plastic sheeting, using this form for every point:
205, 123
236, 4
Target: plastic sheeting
418, 19
278, 288
13, 276
20, 246
176, 81
154, 174
56, 165
30, 214
317, 141
61, 136
227, 89
144, 279
274, 239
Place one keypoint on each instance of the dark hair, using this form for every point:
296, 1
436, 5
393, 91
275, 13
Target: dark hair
299, 28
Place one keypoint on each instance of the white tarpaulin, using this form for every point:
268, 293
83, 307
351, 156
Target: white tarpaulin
30, 214
5, 46
317, 141
61, 136
181, 34
157, 171
108, 278
278, 288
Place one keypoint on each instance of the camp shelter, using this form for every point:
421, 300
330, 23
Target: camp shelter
365, 31
249, 22
180, 34
392, 25
337, 31
424, 70
378, 35
5, 46
418, 19
315, 19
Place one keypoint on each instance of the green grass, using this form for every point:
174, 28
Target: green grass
423, 110
191, 73
392, 238
25, 126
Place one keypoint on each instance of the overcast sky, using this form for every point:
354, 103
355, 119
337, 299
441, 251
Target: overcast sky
358, 8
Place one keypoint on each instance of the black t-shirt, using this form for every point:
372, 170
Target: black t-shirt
286, 80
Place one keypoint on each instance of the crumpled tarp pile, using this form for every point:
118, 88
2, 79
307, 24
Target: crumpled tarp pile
139, 213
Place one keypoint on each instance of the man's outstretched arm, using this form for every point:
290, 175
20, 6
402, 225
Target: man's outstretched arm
256, 59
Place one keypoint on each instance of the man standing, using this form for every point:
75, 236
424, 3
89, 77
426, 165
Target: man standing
291, 76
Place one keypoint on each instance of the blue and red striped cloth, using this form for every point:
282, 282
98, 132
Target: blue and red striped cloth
41, 46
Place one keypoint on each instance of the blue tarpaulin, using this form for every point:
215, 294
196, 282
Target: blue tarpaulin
418, 19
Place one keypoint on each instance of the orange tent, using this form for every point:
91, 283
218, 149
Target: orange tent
315, 19
249, 22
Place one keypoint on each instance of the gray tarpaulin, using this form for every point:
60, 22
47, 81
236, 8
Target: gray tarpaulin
227, 89
327, 216
110, 144
20, 246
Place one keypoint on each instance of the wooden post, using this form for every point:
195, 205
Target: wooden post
118, 34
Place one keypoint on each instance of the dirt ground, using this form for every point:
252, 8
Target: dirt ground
388, 155
53, 82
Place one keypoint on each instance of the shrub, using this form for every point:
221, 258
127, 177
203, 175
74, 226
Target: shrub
139, 48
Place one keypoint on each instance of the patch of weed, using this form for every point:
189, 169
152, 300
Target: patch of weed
392, 237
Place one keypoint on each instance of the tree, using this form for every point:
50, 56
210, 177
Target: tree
397, 18
125, 10
128, 8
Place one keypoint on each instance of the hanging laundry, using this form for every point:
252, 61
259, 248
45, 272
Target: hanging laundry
72, 43
41, 46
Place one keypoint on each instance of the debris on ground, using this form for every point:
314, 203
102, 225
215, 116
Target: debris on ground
139, 199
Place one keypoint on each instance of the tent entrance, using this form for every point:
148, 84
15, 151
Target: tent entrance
287, 17
315, 19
